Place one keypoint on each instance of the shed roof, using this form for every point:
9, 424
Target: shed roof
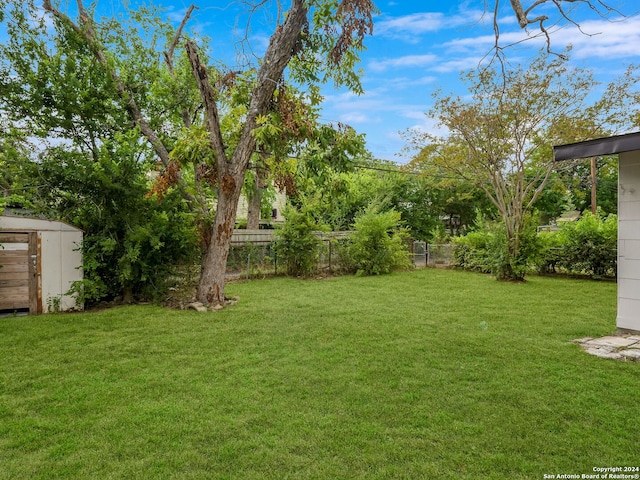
599, 146
19, 223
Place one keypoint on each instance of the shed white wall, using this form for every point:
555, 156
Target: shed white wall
59, 256
629, 242
61, 265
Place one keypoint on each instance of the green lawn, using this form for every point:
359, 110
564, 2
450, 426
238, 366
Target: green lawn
427, 374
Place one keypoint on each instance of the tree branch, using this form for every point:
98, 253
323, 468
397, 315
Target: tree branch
278, 54
524, 17
168, 58
210, 107
168, 55
87, 32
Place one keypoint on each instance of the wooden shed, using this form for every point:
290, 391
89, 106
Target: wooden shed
628, 149
39, 260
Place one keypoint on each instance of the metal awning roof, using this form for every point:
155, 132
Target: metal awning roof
599, 146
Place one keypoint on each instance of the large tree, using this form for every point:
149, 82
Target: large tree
500, 136
86, 164
318, 39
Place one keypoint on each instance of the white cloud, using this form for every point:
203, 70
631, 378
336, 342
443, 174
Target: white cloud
407, 61
602, 39
416, 23
410, 27
354, 118
595, 39
457, 65
400, 83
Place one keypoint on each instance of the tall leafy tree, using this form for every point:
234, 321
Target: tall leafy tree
89, 81
87, 165
500, 138
319, 39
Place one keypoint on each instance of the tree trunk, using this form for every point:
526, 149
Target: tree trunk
231, 171
214, 261
255, 201
253, 210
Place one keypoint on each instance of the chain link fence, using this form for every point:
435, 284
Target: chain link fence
440, 255
253, 254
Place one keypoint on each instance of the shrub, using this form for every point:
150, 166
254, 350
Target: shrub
487, 250
471, 252
298, 247
505, 264
378, 244
132, 242
550, 252
590, 245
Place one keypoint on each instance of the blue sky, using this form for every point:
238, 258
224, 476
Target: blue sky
419, 46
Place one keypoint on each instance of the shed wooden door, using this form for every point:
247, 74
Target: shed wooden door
18, 271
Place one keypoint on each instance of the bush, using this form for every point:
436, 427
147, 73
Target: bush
590, 245
550, 252
507, 265
298, 247
487, 250
132, 242
378, 244
472, 251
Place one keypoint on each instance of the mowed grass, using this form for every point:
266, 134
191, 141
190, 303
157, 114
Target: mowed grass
427, 374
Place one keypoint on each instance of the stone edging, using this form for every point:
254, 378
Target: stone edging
616, 347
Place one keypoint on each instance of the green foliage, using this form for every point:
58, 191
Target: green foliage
550, 252
590, 245
487, 250
509, 261
131, 242
16, 172
472, 251
298, 247
96, 175
500, 137
331, 45
378, 244
573, 186
338, 197
585, 247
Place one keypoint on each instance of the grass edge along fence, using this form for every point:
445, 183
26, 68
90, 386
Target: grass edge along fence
253, 253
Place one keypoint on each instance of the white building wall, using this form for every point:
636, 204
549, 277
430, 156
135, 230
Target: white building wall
629, 242
60, 267
59, 256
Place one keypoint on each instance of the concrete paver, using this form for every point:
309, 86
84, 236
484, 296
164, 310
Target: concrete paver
617, 347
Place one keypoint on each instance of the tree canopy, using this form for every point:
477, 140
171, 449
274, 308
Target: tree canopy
92, 78
500, 138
